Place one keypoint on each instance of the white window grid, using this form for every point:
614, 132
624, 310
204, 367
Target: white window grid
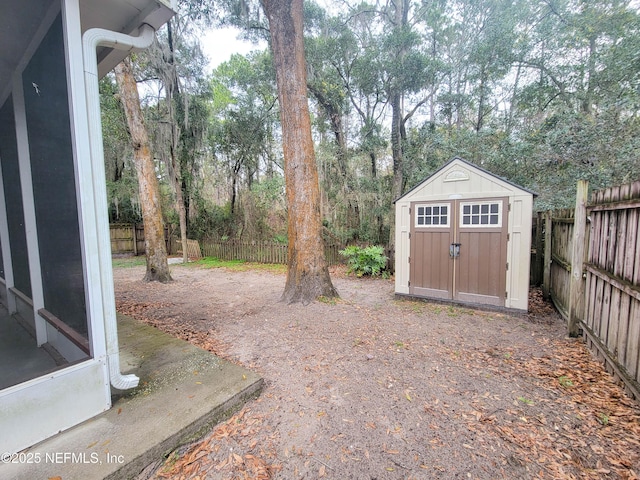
481, 214
433, 215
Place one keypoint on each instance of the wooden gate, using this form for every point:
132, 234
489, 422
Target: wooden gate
459, 250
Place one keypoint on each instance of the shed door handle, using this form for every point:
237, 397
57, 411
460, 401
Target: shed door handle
454, 250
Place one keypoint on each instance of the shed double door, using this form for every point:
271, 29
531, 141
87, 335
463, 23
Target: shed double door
458, 250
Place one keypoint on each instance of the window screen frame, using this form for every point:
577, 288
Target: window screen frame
422, 214
481, 213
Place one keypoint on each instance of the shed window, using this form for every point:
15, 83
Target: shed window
481, 214
434, 215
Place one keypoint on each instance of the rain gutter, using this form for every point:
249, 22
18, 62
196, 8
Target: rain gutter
91, 40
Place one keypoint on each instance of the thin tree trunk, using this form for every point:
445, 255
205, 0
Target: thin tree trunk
175, 170
395, 99
587, 106
335, 119
176, 175
155, 248
481, 102
398, 178
514, 101
307, 273
396, 144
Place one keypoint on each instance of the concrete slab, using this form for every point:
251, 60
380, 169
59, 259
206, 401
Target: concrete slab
184, 391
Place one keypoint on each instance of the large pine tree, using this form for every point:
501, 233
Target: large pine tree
308, 274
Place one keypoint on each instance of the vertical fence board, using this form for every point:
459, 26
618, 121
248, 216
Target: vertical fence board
632, 357
577, 288
590, 290
620, 347
606, 309
598, 307
546, 275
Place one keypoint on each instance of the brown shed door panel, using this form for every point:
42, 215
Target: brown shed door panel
480, 269
477, 274
431, 268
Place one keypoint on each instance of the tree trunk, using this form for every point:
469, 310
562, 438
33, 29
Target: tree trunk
590, 80
156, 250
334, 114
176, 175
395, 99
307, 273
398, 178
175, 170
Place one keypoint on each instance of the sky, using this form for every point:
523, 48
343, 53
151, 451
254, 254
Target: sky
219, 44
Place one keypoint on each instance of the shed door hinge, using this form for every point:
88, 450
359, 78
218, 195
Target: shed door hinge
409, 235
507, 265
506, 294
409, 283
509, 209
409, 259
508, 237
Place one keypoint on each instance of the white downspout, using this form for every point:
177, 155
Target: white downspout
91, 40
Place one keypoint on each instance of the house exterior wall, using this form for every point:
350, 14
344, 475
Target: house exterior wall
45, 405
64, 295
459, 180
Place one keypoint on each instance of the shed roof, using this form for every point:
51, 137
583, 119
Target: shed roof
470, 165
22, 20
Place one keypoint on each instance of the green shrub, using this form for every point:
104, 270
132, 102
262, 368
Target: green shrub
365, 260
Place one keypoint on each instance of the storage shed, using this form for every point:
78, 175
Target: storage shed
464, 235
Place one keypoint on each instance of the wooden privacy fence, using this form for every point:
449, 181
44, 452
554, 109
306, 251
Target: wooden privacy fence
261, 252
557, 251
612, 288
123, 239
592, 273
128, 238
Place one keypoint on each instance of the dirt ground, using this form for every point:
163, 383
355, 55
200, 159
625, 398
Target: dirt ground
370, 387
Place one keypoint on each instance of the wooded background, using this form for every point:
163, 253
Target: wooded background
542, 92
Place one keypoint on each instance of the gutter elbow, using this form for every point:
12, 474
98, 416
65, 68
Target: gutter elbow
118, 380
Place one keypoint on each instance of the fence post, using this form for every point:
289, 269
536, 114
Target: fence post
135, 239
546, 267
576, 291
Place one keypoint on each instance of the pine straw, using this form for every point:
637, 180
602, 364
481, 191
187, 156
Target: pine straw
595, 429
231, 451
594, 432
578, 424
150, 313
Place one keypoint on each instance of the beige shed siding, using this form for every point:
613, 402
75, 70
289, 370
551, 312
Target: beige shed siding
403, 220
460, 180
519, 251
479, 187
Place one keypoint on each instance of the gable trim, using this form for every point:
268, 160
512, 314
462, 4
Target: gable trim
458, 176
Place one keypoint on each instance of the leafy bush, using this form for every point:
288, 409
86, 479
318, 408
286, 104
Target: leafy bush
365, 260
